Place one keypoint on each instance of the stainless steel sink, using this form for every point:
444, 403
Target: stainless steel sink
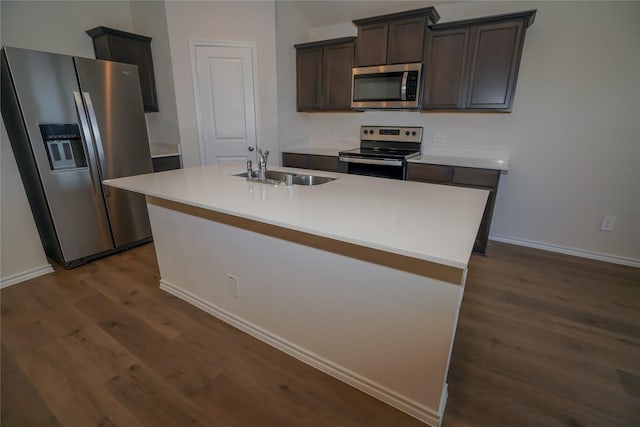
311, 179
273, 175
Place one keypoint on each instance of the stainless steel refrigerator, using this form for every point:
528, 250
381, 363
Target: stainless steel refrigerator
73, 122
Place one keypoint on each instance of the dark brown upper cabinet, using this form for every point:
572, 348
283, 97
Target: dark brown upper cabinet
473, 64
396, 38
323, 75
120, 46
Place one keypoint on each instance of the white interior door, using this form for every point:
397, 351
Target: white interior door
226, 102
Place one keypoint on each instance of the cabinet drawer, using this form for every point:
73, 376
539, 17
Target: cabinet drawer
165, 163
428, 173
472, 176
323, 163
292, 160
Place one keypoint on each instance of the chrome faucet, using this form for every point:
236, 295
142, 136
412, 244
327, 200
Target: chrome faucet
249, 171
262, 158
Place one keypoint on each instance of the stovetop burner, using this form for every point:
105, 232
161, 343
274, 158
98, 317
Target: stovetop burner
387, 153
377, 142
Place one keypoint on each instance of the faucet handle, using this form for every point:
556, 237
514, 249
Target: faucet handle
263, 155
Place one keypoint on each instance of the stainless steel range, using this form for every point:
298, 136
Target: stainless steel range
384, 151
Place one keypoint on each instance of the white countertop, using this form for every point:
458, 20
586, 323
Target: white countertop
317, 151
164, 150
431, 222
471, 157
484, 158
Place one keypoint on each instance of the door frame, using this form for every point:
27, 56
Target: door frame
194, 44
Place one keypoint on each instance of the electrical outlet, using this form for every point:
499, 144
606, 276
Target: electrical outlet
439, 138
608, 223
234, 287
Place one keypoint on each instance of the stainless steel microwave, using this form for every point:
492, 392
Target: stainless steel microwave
387, 87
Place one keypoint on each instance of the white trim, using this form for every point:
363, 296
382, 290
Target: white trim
194, 76
615, 259
14, 279
409, 406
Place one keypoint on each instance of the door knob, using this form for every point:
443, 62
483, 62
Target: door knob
251, 148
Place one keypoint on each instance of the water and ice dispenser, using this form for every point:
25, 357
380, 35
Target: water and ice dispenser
63, 145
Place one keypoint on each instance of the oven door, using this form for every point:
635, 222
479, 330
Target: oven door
383, 168
386, 87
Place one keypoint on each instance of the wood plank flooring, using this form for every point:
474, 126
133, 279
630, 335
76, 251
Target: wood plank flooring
543, 340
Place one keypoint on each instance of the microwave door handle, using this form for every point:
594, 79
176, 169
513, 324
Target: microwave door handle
403, 87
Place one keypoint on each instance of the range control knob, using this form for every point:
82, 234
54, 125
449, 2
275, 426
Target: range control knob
413, 133
407, 133
365, 131
371, 131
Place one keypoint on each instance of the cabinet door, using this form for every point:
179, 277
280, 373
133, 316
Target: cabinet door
482, 238
337, 64
138, 52
309, 79
446, 62
371, 45
494, 65
406, 40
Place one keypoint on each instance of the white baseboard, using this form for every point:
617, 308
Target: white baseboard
416, 410
25, 275
631, 262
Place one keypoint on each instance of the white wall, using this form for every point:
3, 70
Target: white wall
231, 22
60, 26
291, 28
20, 247
574, 131
150, 19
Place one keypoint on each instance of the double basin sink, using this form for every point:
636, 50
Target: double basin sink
275, 177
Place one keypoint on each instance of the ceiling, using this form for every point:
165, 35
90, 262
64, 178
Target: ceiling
320, 13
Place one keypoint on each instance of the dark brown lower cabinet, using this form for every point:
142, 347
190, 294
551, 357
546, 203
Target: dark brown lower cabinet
486, 179
310, 161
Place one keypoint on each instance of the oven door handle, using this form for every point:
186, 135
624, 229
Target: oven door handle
370, 161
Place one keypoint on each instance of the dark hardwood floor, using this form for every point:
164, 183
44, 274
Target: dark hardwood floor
543, 340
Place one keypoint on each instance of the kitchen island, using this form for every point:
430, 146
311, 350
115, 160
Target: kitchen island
359, 277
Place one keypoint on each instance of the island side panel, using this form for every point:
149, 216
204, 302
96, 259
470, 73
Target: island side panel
383, 330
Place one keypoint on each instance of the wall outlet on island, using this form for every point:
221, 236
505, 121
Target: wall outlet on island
608, 223
439, 138
234, 287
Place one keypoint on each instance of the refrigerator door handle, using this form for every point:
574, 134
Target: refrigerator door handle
86, 136
95, 130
